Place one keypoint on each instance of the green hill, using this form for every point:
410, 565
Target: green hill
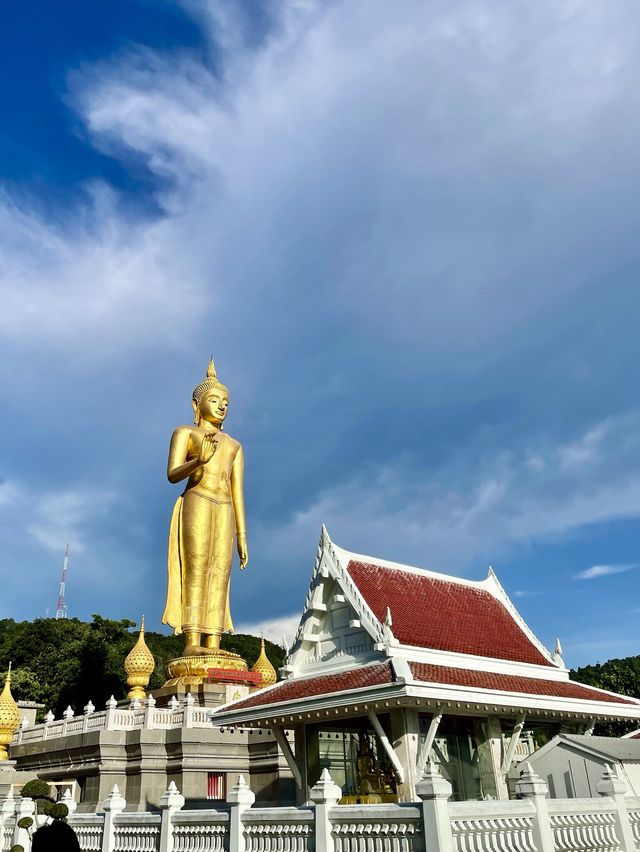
618, 675
67, 662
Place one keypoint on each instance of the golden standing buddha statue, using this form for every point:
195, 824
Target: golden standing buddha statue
208, 519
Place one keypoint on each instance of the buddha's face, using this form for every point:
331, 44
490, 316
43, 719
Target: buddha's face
214, 406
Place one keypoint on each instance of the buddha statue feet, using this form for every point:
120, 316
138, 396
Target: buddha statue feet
195, 651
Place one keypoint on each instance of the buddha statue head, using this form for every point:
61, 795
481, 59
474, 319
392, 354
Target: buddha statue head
210, 399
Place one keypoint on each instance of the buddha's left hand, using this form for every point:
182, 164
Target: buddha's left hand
243, 553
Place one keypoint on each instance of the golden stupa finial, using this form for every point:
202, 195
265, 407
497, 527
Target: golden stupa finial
264, 667
139, 665
9, 716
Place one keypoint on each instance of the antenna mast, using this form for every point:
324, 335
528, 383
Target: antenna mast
61, 608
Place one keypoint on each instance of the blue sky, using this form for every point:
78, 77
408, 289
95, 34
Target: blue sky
410, 237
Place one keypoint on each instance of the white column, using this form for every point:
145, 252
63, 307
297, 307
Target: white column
240, 798
434, 790
113, 805
170, 802
489, 744
612, 785
530, 786
26, 809
405, 737
325, 794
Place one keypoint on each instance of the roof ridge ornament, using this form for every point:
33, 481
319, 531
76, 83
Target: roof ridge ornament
387, 632
557, 654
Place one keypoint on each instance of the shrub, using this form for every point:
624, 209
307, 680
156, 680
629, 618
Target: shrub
35, 789
58, 811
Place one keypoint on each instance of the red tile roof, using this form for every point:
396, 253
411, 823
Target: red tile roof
289, 690
511, 683
430, 612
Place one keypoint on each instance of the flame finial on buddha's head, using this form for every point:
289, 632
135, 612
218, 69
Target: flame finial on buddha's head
210, 382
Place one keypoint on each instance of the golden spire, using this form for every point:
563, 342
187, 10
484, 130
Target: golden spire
265, 668
9, 717
211, 369
139, 666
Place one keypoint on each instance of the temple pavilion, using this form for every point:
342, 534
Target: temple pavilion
392, 666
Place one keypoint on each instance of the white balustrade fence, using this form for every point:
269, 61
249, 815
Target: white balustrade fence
118, 718
531, 823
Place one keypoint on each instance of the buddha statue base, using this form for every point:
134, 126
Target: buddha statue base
195, 670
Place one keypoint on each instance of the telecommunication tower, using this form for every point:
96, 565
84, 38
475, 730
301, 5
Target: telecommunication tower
61, 608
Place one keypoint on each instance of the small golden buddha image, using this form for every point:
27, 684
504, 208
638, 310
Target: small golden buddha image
208, 520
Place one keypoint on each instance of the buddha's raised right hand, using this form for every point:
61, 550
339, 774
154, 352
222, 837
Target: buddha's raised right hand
207, 449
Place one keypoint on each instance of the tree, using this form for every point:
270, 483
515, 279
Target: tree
618, 675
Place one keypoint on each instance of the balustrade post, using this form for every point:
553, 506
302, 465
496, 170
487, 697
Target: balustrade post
67, 716
111, 706
26, 808
48, 719
612, 785
7, 811
240, 798
324, 794
113, 805
89, 708
24, 724
170, 802
149, 712
68, 800
531, 787
187, 710
434, 791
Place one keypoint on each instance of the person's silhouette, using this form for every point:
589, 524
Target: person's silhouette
55, 837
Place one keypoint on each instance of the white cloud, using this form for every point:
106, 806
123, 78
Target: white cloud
95, 281
279, 629
58, 517
464, 510
354, 147
604, 571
